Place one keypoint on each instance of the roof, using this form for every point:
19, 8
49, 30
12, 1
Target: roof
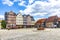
58, 19
23, 15
51, 19
12, 12
19, 13
26, 15
7, 13
41, 21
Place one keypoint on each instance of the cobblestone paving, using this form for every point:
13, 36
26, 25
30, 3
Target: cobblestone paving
48, 34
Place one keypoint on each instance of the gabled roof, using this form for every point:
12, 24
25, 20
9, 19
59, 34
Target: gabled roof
51, 19
41, 21
7, 13
26, 15
12, 12
19, 13
23, 15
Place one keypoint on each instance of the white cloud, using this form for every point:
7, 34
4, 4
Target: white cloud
56, 12
39, 14
22, 3
27, 10
1, 17
36, 19
38, 8
31, 1
16, 0
8, 2
43, 8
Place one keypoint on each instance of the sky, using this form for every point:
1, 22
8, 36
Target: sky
37, 8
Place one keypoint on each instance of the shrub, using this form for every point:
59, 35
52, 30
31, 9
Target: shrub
3, 24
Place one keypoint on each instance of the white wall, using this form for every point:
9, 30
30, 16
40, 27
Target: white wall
33, 22
19, 19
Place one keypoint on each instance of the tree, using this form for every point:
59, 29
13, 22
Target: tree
3, 24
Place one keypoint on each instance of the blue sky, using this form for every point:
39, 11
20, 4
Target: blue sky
36, 8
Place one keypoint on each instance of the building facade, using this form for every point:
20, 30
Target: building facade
24, 21
40, 23
52, 21
10, 18
19, 20
32, 22
27, 21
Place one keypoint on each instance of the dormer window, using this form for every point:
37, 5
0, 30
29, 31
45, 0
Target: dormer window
24, 16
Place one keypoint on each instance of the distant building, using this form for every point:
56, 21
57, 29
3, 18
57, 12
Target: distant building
52, 21
24, 21
10, 18
27, 21
19, 20
32, 22
40, 23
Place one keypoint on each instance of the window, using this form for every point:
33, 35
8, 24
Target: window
25, 19
24, 16
25, 23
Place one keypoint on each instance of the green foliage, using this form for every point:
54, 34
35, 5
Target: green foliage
3, 24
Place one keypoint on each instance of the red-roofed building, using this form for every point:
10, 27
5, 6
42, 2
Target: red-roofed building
51, 21
40, 22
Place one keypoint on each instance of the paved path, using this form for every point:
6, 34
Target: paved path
30, 34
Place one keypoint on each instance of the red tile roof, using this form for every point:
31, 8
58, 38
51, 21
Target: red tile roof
40, 21
51, 19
